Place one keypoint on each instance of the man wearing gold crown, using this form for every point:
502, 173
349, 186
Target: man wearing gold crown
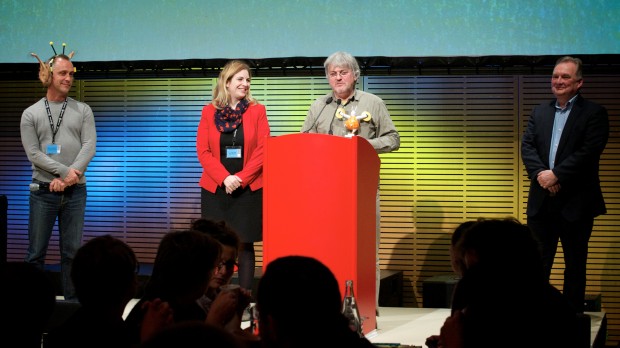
59, 137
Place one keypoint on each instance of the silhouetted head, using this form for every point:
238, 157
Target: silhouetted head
294, 294
503, 244
230, 242
183, 266
456, 255
104, 272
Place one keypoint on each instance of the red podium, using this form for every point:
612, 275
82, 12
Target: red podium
319, 200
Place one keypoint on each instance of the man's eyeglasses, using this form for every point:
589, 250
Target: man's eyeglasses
230, 264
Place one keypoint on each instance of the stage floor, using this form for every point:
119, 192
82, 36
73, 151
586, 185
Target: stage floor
411, 326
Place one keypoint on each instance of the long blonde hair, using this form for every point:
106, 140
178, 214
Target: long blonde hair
221, 97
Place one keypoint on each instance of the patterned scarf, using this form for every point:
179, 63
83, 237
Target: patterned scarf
227, 119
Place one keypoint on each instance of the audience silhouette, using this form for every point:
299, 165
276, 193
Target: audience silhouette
457, 263
104, 276
224, 308
456, 258
503, 298
297, 297
29, 302
183, 267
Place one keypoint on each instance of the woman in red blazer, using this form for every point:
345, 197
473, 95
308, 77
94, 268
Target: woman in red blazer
229, 145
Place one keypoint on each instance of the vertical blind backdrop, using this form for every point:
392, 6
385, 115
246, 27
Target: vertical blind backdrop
459, 160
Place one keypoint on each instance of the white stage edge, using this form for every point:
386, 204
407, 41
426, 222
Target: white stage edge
411, 326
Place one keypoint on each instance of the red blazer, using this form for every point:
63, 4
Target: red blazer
255, 130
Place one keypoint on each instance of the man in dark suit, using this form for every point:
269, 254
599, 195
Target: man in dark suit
561, 149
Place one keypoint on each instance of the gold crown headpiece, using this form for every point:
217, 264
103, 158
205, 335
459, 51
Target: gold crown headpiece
45, 69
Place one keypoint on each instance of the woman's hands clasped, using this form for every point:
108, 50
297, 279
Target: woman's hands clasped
232, 182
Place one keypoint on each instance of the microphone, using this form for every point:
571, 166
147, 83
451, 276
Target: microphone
36, 186
332, 121
327, 102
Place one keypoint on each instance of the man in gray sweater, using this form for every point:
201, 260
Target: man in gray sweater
59, 137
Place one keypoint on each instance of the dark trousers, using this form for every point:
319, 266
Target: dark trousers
68, 207
549, 227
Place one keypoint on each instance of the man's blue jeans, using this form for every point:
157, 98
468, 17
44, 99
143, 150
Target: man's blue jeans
68, 207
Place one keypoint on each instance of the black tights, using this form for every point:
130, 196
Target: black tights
246, 262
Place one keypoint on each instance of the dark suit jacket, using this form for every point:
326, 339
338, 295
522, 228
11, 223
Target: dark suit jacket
577, 160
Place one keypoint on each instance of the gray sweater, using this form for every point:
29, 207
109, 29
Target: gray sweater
77, 137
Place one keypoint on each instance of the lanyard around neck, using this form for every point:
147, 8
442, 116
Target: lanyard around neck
49, 116
234, 139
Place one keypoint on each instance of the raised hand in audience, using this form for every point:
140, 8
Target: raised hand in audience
157, 316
